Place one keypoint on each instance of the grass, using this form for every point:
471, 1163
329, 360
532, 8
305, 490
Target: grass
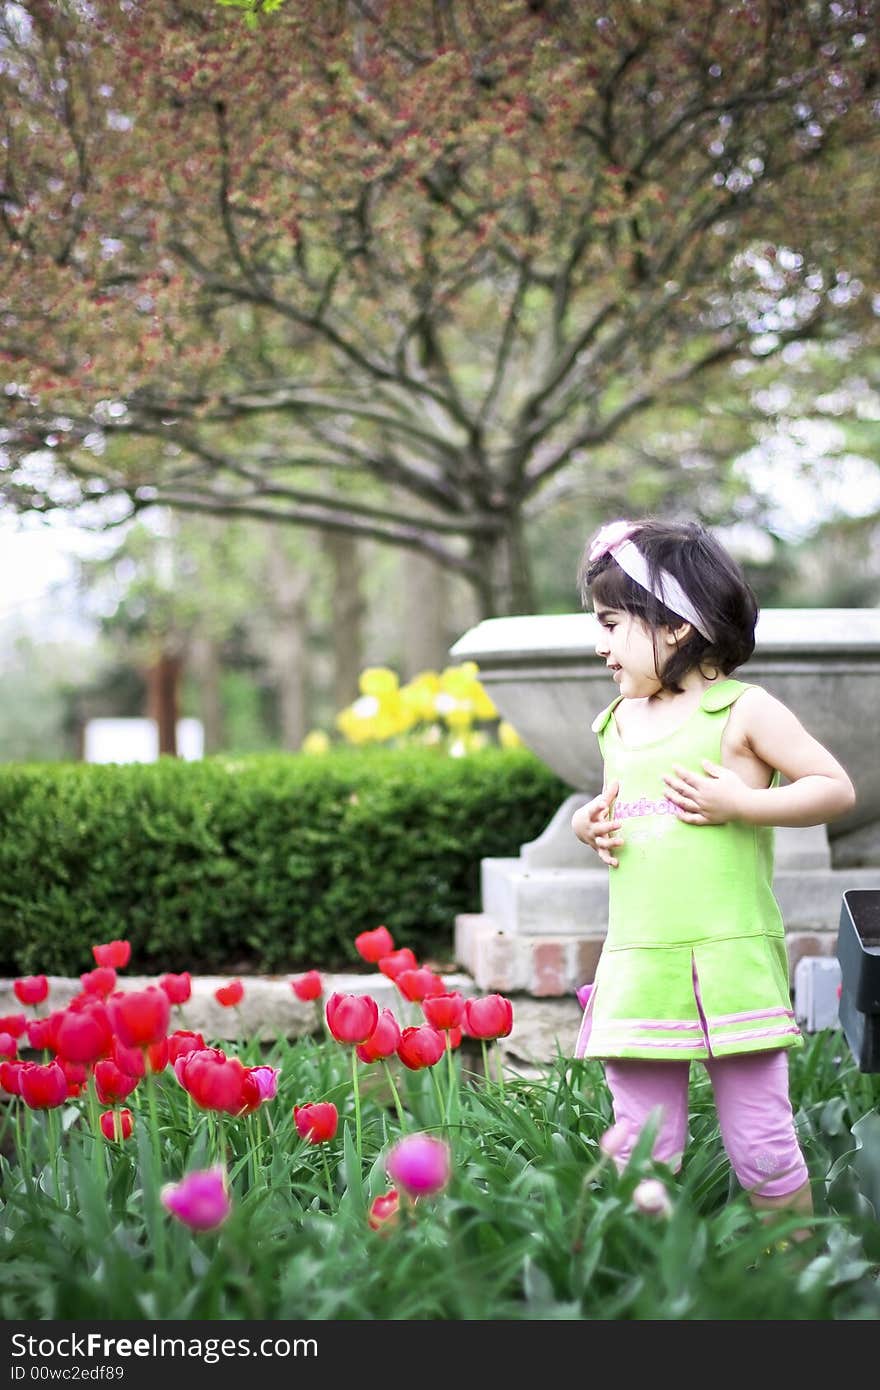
535, 1223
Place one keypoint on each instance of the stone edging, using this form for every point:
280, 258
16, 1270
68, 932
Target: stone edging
269, 1009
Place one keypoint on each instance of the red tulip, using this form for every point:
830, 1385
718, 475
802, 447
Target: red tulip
41, 1032
13, 1023
230, 995
383, 1040
10, 1073
31, 989
308, 986
128, 1059
384, 1211
84, 1033
420, 1047
218, 1082
453, 1038
444, 1011
111, 1083
488, 1017
8, 1046
391, 965
140, 1016
115, 953
351, 1018
417, 985
117, 1124
375, 944
317, 1122
42, 1088
177, 987
77, 1074
100, 981
183, 1041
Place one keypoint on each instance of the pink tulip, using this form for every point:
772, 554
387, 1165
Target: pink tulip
488, 1017
419, 1164
200, 1200
352, 1018
8, 1045
267, 1081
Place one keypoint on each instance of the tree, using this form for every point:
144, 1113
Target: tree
393, 269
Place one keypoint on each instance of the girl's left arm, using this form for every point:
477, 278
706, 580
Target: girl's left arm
819, 789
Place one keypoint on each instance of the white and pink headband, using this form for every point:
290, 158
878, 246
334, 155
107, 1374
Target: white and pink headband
615, 540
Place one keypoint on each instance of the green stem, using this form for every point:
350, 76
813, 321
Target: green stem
440, 1101
158, 1214
450, 1066
357, 1103
399, 1108
330, 1192
54, 1145
93, 1106
485, 1059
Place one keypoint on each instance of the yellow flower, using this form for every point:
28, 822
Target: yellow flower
377, 680
316, 741
507, 735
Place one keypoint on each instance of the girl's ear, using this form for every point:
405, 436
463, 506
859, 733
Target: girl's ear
675, 636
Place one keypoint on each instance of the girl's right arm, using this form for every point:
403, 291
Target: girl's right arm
592, 824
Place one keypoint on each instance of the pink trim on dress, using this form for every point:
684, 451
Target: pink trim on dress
761, 1033
647, 1023
756, 1013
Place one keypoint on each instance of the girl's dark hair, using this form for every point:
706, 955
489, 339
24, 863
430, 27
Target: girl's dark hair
710, 577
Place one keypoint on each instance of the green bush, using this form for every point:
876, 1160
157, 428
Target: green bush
270, 862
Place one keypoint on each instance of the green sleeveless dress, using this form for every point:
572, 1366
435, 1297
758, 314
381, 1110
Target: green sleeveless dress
694, 964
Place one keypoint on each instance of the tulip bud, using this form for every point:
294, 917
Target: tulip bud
117, 1124
200, 1200
651, 1198
308, 986
419, 1164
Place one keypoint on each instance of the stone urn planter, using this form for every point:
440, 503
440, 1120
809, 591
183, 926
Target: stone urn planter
544, 914
858, 952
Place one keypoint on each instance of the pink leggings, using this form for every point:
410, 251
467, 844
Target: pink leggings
754, 1113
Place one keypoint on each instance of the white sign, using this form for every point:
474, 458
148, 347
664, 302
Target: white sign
137, 740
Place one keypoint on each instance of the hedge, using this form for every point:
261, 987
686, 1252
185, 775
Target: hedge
267, 863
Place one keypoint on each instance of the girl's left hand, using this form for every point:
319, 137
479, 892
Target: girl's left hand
712, 799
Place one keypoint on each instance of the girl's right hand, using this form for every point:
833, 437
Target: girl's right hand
593, 824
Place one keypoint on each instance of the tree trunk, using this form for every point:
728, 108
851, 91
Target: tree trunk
204, 661
348, 608
505, 585
425, 615
163, 680
287, 654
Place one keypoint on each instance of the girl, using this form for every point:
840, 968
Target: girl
694, 965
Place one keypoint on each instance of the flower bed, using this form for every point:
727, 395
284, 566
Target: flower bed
387, 1172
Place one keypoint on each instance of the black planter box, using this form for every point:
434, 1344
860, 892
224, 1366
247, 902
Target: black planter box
858, 951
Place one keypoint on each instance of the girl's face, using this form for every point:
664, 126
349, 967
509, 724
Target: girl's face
627, 646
